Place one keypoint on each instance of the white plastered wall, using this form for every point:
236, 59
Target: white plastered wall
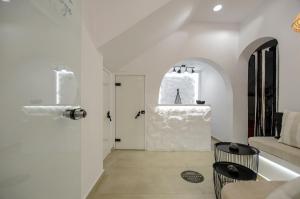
216, 94
108, 105
108, 19
215, 42
272, 21
91, 129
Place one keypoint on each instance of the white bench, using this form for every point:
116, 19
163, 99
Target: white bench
249, 189
271, 146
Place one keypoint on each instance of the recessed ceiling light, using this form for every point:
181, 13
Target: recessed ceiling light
218, 7
5, 0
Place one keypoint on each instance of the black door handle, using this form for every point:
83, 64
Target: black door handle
108, 116
137, 115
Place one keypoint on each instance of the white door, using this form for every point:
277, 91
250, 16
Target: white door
107, 114
40, 74
130, 112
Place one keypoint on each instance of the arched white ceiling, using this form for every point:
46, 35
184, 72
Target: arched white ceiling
110, 18
123, 29
147, 32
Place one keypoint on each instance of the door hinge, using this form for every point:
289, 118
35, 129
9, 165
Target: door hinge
118, 84
117, 140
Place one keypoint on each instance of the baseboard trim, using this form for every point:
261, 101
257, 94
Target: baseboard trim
93, 189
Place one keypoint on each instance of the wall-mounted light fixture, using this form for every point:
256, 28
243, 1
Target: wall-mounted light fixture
179, 69
296, 24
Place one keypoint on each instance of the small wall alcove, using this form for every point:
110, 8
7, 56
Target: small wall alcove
180, 85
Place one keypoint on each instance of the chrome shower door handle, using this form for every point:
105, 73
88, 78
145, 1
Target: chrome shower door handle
75, 114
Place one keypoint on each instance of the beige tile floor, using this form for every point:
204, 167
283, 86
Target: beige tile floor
154, 175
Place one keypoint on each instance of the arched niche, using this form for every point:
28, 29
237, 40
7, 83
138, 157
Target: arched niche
200, 63
214, 87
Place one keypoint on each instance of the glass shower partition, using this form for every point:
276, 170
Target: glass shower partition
40, 60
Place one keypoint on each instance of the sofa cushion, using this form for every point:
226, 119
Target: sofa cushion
271, 146
289, 190
249, 189
290, 134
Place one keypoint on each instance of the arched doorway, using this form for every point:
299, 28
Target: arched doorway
240, 98
263, 89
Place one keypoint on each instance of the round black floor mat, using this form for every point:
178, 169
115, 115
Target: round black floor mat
192, 176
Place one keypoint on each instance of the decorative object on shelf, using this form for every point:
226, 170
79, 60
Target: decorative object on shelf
242, 154
233, 147
200, 102
183, 68
178, 98
232, 170
296, 24
228, 172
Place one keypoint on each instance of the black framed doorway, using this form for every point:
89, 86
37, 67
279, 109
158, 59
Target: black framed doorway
263, 71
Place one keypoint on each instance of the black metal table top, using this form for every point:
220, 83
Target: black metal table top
244, 173
242, 149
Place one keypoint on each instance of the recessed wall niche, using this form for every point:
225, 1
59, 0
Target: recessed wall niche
183, 81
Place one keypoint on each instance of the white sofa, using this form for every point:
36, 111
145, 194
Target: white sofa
249, 189
271, 146
290, 124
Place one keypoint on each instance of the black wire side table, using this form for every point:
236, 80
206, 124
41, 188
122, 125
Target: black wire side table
222, 175
245, 155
